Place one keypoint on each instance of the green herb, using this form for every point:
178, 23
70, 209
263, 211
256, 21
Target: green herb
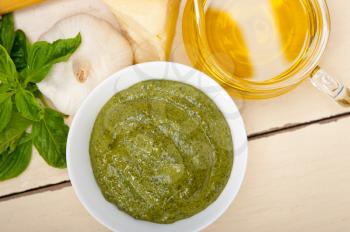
13, 164
22, 65
7, 32
27, 105
50, 135
6, 107
14, 130
20, 50
8, 72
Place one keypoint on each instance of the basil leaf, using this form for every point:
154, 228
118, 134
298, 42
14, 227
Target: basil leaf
4, 88
8, 72
50, 138
7, 32
6, 108
33, 88
19, 52
13, 164
28, 106
10, 135
44, 55
5, 92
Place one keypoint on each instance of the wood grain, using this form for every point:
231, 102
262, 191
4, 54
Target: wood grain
56, 211
295, 181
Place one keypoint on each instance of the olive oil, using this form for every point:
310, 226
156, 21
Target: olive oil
254, 40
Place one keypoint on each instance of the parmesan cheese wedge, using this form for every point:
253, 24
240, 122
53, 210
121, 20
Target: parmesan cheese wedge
149, 25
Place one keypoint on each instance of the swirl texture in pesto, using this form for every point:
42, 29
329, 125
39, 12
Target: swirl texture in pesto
161, 151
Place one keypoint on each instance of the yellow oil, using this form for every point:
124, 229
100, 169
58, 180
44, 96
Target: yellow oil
227, 43
255, 40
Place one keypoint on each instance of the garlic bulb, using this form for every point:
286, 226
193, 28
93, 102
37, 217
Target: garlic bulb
103, 51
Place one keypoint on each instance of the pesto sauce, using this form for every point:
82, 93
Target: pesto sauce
161, 151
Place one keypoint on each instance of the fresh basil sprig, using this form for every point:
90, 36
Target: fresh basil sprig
22, 66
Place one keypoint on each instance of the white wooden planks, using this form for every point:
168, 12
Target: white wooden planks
55, 211
296, 181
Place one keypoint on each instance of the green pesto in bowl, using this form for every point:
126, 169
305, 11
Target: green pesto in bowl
161, 151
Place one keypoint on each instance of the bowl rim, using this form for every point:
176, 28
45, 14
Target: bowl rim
148, 71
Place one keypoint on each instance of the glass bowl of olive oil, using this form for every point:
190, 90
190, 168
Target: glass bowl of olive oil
259, 48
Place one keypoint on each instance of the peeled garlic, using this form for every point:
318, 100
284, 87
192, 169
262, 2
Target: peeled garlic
149, 25
102, 52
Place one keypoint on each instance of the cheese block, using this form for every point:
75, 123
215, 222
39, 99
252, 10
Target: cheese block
149, 26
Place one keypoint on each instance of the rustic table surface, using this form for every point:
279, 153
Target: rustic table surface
298, 176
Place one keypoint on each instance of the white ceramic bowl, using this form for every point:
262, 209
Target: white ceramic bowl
78, 159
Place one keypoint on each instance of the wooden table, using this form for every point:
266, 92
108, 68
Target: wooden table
298, 176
